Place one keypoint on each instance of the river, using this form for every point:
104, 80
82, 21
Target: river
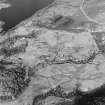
20, 10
